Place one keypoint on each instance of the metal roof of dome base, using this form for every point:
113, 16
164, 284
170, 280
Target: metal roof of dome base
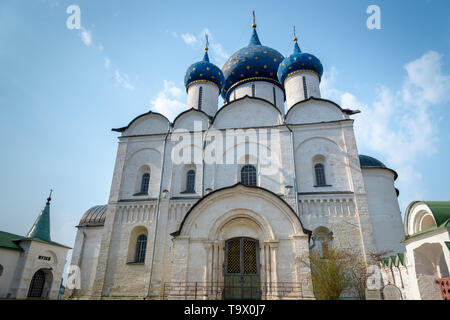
299, 61
94, 217
251, 63
372, 163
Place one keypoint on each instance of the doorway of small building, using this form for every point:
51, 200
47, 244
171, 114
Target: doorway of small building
242, 280
40, 284
430, 265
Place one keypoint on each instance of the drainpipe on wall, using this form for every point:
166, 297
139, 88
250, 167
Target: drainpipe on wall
295, 168
157, 212
203, 157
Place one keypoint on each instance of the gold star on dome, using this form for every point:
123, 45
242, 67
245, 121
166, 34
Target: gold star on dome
271, 73
201, 74
309, 58
212, 77
295, 58
256, 72
256, 58
274, 59
193, 69
265, 66
248, 67
242, 75
207, 68
265, 51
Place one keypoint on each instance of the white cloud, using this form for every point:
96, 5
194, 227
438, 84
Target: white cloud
168, 101
122, 80
86, 37
217, 52
328, 85
189, 39
397, 125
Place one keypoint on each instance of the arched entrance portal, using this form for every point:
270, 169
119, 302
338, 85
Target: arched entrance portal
40, 284
242, 280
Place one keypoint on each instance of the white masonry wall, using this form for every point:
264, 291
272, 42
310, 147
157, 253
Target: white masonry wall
384, 210
9, 260
295, 92
210, 95
264, 90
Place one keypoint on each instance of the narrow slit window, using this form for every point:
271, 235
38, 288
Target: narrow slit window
145, 182
141, 246
305, 89
200, 97
274, 96
253, 89
190, 181
320, 174
248, 175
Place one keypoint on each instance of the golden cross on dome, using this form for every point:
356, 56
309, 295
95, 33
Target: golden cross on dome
254, 20
295, 37
207, 42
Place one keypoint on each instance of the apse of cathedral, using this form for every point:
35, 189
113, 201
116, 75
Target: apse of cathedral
227, 199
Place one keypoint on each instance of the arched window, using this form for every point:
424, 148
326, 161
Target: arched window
324, 238
141, 246
253, 89
248, 175
145, 182
200, 97
320, 174
190, 181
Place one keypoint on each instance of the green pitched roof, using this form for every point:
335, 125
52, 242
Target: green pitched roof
41, 227
393, 258
441, 212
401, 258
40, 232
11, 241
7, 241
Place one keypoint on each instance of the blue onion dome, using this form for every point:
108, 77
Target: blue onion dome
299, 61
253, 62
204, 71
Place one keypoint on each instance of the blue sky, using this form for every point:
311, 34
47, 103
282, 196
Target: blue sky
61, 90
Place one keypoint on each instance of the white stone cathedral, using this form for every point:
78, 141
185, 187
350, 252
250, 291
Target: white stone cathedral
224, 202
